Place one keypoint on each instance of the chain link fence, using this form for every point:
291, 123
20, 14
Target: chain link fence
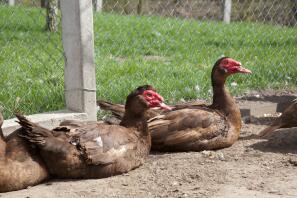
170, 44
31, 60
173, 45
282, 12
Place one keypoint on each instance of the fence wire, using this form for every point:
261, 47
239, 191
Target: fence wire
171, 44
31, 60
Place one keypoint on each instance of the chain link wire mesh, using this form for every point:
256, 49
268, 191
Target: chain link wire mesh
173, 44
170, 44
31, 60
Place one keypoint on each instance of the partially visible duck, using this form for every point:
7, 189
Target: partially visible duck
288, 119
118, 110
96, 150
202, 127
20, 164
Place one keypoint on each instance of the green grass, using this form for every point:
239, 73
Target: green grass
31, 62
174, 55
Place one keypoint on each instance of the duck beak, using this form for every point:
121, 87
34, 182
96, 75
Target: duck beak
165, 107
241, 69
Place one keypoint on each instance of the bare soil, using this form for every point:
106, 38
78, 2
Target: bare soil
252, 167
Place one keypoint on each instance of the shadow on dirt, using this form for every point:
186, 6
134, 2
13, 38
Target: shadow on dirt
249, 137
283, 101
281, 141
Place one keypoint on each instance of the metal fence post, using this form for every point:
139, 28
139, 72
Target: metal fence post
98, 4
78, 44
227, 10
11, 2
139, 7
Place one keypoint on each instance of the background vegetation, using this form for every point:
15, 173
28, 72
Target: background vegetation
173, 54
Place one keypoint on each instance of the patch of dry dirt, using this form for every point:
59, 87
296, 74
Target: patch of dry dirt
250, 168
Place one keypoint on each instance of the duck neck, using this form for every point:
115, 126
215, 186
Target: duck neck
2, 143
224, 102
2, 138
1, 123
138, 121
1, 134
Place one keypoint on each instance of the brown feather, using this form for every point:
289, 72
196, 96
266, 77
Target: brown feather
118, 110
286, 120
78, 149
20, 164
195, 126
176, 130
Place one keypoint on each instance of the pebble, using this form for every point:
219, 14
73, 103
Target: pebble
293, 161
175, 183
221, 156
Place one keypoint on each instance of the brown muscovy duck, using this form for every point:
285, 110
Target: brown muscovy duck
118, 110
196, 126
202, 127
20, 164
96, 150
288, 119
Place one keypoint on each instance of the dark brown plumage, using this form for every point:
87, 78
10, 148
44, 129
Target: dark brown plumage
202, 127
288, 119
118, 110
196, 126
20, 164
96, 150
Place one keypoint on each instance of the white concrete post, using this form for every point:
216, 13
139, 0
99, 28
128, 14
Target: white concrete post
11, 2
98, 4
78, 44
227, 11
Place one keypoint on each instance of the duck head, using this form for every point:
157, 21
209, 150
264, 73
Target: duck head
143, 98
225, 67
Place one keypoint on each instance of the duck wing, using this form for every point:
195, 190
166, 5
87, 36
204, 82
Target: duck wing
118, 110
95, 143
197, 104
187, 129
101, 143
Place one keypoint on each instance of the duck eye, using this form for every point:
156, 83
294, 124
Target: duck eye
149, 95
226, 62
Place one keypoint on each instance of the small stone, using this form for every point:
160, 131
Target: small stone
221, 156
274, 191
293, 161
257, 96
209, 154
175, 183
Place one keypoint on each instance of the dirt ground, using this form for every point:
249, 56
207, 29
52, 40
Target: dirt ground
252, 167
